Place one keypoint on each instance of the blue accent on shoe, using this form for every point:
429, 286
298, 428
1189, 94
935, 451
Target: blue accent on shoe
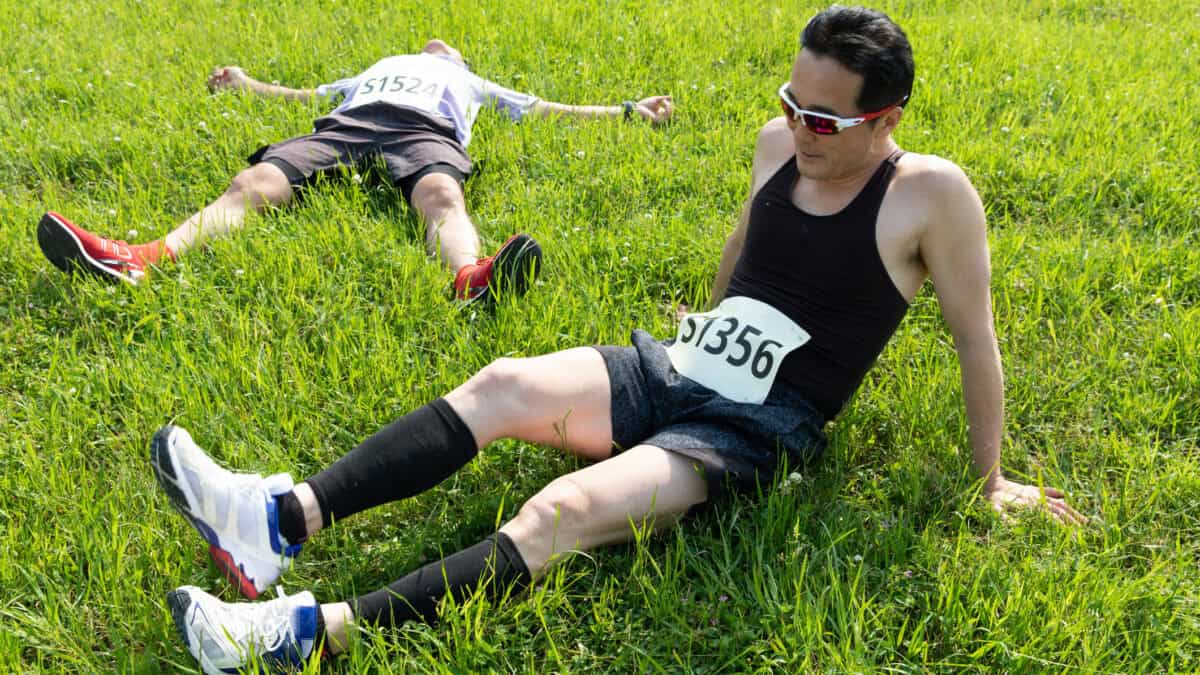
277, 540
305, 624
304, 628
273, 526
209, 534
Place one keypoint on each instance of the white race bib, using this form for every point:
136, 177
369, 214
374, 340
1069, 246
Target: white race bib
736, 349
421, 92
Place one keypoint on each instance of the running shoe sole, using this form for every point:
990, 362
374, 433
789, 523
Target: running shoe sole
165, 472
514, 267
178, 601
64, 250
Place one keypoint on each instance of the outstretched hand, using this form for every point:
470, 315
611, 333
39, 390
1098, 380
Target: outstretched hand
656, 109
1009, 495
228, 77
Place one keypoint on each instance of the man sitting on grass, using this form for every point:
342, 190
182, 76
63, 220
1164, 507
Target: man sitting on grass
413, 111
840, 232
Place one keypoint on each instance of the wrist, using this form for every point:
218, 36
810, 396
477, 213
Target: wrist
627, 110
992, 481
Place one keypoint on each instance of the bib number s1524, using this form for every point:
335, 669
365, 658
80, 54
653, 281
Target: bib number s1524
736, 349
407, 90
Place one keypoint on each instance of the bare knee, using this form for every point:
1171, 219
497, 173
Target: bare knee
504, 382
260, 185
435, 195
551, 522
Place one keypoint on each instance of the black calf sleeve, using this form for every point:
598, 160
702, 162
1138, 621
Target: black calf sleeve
407, 457
493, 564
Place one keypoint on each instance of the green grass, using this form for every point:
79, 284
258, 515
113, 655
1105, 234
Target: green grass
283, 347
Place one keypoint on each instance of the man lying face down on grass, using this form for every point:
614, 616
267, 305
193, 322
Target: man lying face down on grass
841, 230
415, 112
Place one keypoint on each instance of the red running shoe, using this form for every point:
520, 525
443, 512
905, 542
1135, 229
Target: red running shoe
511, 270
69, 246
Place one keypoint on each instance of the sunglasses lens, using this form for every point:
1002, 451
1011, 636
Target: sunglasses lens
820, 125
788, 111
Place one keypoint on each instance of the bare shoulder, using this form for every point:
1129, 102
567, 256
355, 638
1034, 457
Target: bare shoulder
936, 187
937, 176
773, 147
775, 142
933, 178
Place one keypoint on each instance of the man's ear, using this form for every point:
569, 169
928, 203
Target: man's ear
888, 123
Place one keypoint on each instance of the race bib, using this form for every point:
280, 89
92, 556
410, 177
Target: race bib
422, 92
736, 349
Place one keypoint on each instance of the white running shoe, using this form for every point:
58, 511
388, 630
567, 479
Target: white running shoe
225, 637
235, 512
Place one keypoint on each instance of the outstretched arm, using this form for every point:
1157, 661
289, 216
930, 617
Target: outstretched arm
955, 250
656, 109
232, 77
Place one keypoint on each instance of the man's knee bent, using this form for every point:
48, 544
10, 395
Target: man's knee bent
504, 381
558, 513
260, 184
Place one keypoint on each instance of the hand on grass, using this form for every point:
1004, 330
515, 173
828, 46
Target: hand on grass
656, 109
1008, 495
228, 77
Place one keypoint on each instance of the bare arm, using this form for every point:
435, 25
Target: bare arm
729, 256
655, 109
232, 77
955, 250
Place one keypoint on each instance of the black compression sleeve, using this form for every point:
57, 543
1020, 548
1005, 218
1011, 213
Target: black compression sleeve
493, 565
405, 458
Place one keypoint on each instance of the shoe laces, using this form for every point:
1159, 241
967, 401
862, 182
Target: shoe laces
262, 627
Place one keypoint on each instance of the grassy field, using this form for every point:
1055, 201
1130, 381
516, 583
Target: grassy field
281, 348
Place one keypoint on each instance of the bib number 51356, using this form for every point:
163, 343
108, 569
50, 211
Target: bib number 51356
736, 349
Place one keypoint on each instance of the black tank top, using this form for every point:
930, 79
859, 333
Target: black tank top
824, 273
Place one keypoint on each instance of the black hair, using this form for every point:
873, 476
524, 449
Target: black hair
869, 43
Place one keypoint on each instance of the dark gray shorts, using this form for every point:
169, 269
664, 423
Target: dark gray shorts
739, 445
408, 142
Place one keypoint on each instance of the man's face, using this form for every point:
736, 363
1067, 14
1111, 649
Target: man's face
821, 84
439, 48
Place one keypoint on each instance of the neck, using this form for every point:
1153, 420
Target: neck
854, 178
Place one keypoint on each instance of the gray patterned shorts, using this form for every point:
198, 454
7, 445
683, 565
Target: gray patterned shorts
739, 445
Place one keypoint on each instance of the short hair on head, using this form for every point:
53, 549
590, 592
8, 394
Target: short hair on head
867, 42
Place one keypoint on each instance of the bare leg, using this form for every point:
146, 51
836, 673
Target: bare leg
449, 232
603, 503
254, 188
561, 400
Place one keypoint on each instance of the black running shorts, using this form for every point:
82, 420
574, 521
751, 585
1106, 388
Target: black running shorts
410, 143
739, 445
